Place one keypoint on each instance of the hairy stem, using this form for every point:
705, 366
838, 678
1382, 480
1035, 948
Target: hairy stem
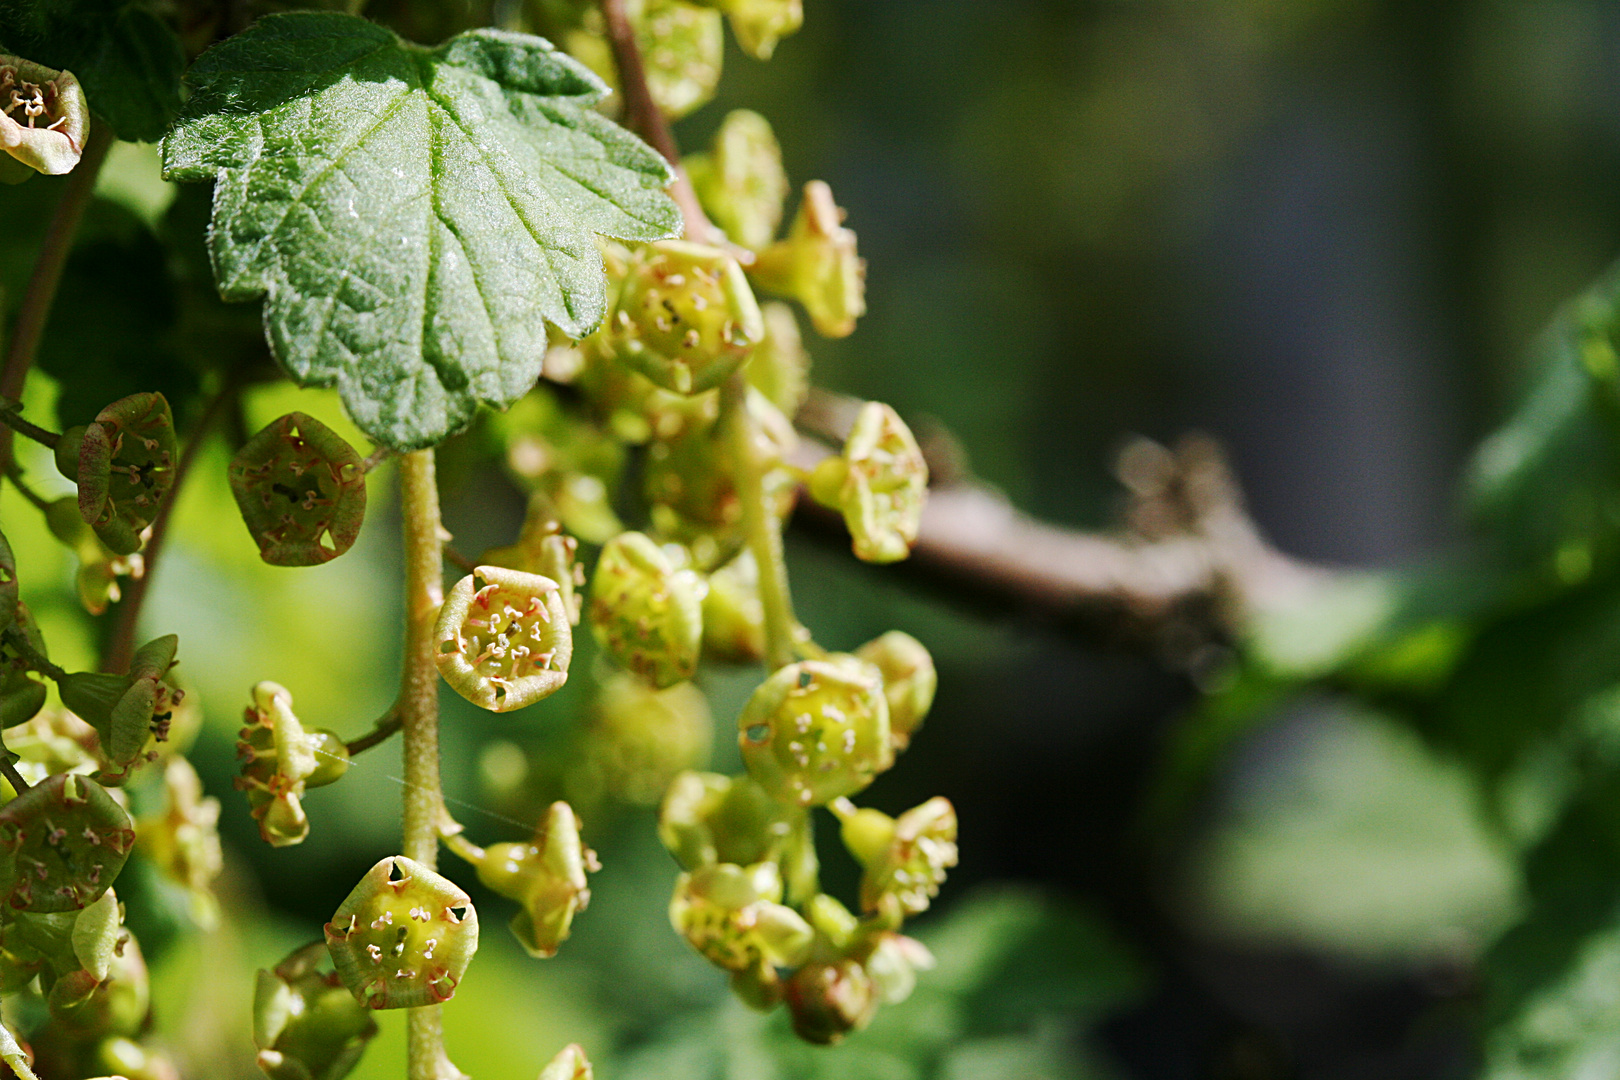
764, 533
419, 715
47, 274
121, 646
642, 116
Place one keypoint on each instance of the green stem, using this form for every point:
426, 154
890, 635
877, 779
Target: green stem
419, 716
763, 531
47, 273
31, 656
31, 431
383, 730
463, 847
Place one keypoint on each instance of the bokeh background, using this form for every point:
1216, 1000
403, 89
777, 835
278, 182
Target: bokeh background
1324, 231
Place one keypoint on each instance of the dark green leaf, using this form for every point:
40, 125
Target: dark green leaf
127, 59
413, 217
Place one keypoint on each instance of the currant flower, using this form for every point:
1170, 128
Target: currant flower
909, 681
128, 710
62, 844
685, 316
306, 1024
893, 965
817, 265
99, 566
124, 467
403, 937
639, 738
183, 840
569, 1064
21, 694
707, 818
546, 875
113, 1001
816, 730
503, 639
733, 616
301, 490
733, 916
44, 120
53, 741
280, 761
829, 999
740, 180
646, 613
879, 483
905, 857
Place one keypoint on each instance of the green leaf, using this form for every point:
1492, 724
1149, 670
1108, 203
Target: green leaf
413, 217
127, 59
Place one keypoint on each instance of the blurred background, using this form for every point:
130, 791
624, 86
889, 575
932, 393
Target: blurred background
1324, 231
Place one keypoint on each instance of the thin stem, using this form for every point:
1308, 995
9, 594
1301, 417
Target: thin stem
419, 714
47, 273
463, 847
14, 473
10, 773
121, 646
763, 531
458, 560
376, 458
383, 730
642, 115
12, 420
17, 641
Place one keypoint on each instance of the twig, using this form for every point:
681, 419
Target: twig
36, 660
47, 273
381, 731
377, 457
121, 646
14, 473
642, 115
458, 560
10, 773
1206, 565
9, 417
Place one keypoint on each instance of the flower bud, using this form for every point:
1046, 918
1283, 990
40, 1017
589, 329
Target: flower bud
909, 681
503, 638
905, 858
546, 876
894, 963
86, 1006
733, 616
829, 1000
44, 121
21, 695
183, 841
127, 711
301, 490
126, 467
817, 730
733, 916
817, 265
569, 1064
639, 738
403, 937
99, 567
647, 614
685, 317
306, 1024
707, 818
879, 484
62, 844
740, 181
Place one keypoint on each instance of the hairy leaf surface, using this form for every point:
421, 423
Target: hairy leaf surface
413, 217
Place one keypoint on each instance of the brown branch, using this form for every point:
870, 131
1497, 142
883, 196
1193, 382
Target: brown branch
643, 116
121, 646
47, 273
1191, 561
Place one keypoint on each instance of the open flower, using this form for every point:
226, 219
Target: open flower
44, 120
